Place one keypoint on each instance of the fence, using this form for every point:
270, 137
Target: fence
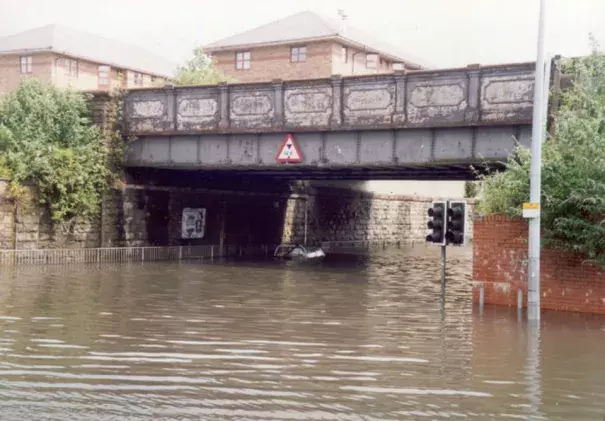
130, 254
152, 254
362, 246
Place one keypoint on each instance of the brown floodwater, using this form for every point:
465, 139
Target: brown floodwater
354, 338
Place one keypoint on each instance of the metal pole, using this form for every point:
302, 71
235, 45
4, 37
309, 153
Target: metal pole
443, 261
546, 94
533, 376
306, 221
533, 293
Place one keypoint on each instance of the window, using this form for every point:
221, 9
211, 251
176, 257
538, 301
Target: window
298, 54
371, 61
138, 79
25, 64
398, 66
103, 75
345, 54
242, 60
72, 67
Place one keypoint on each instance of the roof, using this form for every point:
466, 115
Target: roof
65, 40
310, 26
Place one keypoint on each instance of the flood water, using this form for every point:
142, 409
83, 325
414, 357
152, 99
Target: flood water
355, 338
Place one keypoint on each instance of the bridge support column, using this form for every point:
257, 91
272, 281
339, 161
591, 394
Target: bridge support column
278, 100
399, 117
336, 119
223, 123
471, 115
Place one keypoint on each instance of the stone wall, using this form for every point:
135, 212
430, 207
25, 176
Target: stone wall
151, 216
27, 225
500, 267
6, 217
146, 216
344, 215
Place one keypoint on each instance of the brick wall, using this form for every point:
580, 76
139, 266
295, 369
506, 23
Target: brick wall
268, 63
51, 67
355, 63
10, 71
323, 60
500, 266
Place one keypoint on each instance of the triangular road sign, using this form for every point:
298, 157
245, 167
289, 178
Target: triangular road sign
289, 152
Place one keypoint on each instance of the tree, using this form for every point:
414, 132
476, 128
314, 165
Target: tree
49, 141
199, 70
471, 189
573, 167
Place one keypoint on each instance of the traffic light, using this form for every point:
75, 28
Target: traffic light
437, 223
456, 223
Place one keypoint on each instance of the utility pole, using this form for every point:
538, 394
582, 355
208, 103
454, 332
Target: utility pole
540, 97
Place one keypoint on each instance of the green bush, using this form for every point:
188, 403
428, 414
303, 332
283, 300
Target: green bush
573, 167
471, 189
47, 139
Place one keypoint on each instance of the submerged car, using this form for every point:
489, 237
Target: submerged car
298, 252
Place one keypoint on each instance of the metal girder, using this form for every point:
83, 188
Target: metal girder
279, 178
396, 151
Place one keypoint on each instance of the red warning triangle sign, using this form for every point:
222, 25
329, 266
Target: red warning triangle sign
289, 152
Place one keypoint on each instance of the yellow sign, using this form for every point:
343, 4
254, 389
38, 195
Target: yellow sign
531, 210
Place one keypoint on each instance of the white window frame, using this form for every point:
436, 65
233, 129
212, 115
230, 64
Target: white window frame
25, 64
138, 79
298, 54
72, 67
372, 60
243, 60
104, 72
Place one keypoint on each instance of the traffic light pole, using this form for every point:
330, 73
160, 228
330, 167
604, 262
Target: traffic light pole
443, 262
448, 227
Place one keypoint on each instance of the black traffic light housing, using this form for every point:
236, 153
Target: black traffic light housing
438, 223
456, 222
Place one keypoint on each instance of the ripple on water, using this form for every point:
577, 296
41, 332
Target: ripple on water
354, 338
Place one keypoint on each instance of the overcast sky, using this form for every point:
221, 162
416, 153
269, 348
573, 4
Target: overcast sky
443, 32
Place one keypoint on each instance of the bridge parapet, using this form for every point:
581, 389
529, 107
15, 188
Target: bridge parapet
471, 96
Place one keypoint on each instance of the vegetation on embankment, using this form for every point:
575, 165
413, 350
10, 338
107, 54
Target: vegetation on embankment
47, 139
573, 167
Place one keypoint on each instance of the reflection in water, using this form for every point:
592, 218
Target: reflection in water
356, 338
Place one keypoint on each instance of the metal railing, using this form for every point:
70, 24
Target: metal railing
130, 254
357, 246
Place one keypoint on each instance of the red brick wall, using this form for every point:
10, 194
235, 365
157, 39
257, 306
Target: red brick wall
50, 67
268, 63
10, 71
500, 266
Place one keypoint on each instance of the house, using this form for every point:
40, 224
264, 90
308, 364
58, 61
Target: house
65, 57
305, 46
